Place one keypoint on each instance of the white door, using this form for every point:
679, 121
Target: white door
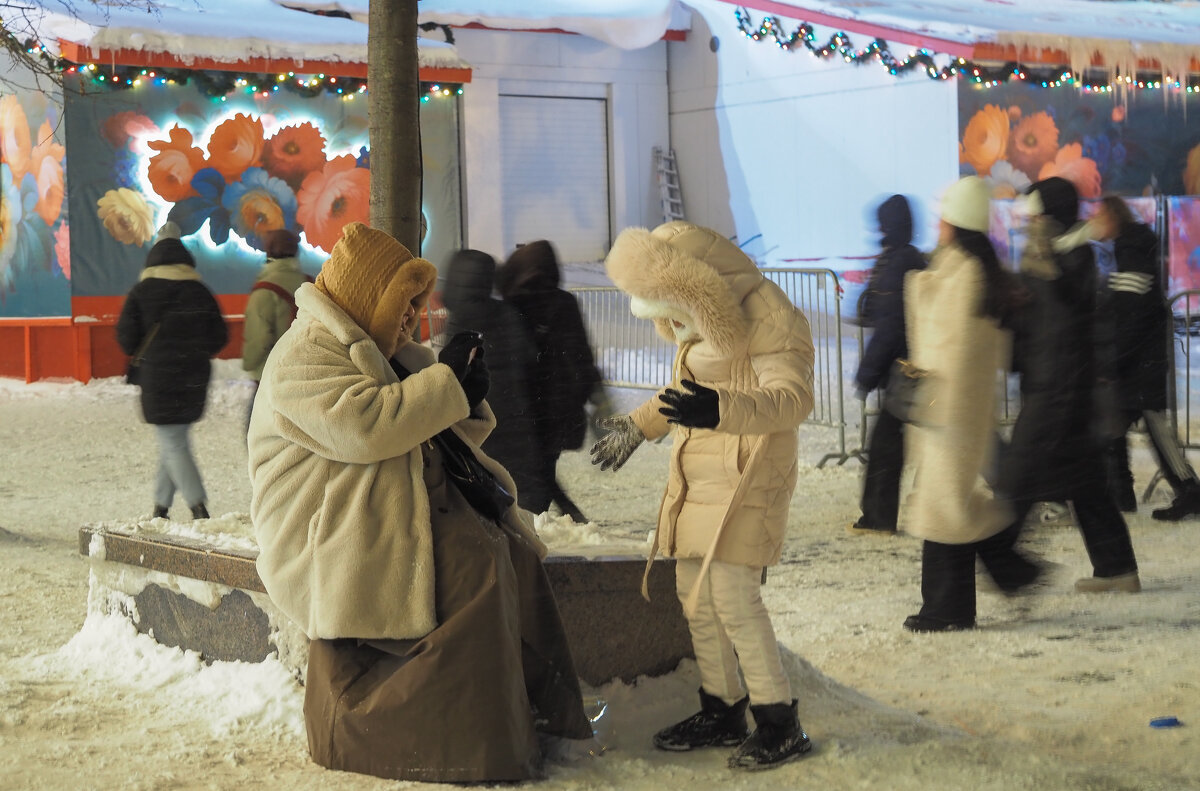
554, 174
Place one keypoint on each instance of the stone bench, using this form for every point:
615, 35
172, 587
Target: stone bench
191, 594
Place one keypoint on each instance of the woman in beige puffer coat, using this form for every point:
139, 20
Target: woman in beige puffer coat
742, 387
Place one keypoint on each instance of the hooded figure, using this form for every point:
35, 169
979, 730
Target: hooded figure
742, 386
1056, 453
434, 633
563, 374
509, 352
172, 324
882, 308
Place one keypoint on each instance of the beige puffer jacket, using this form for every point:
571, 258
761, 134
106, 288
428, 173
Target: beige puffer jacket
729, 488
339, 504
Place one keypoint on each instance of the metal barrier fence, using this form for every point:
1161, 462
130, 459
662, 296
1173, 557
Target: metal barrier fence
631, 354
1187, 320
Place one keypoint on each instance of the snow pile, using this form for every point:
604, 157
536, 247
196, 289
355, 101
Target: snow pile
226, 698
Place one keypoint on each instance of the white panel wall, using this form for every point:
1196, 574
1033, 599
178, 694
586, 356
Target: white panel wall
546, 64
802, 150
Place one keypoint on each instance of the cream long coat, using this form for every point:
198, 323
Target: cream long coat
339, 506
963, 351
733, 483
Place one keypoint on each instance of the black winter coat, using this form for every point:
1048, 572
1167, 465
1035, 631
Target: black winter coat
509, 354
1135, 308
883, 301
176, 364
563, 374
1053, 448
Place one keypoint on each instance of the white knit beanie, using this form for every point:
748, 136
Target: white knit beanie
965, 204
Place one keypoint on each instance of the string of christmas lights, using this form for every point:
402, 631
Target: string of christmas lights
804, 37
217, 85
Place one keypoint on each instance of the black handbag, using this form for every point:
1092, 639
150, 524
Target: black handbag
133, 372
479, 487
482, 490
907, 393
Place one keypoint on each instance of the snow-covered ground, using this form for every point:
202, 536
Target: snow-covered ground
1053, 691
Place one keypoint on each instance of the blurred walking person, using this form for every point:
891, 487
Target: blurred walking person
171, 327
956, 311
1056, 452
508, 355
1134, 310
882, 309
563, 374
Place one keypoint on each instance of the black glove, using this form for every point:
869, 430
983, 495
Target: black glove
477, 381
699, 408
457, 353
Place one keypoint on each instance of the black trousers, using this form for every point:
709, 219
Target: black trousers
948, 573
885, 462
550, 491
1167, 451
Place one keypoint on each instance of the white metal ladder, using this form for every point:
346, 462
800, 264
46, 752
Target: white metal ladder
668, 184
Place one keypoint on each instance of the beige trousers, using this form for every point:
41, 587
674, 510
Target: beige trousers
731, 630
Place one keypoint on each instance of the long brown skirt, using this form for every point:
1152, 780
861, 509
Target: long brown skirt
466, 702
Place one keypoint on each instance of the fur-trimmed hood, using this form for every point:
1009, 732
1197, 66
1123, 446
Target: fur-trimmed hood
683, 267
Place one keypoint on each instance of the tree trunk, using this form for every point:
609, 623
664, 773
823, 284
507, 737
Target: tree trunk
393, 116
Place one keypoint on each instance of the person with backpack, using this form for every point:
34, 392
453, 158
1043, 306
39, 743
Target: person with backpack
271, 307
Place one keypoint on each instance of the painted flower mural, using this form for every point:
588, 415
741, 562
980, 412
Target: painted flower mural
31, 181
338, 195
172, 168
1011, 149
126, 216
985, 139
249, 183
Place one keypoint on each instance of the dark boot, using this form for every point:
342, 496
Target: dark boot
1187, 503
777, 740
160, 512
199, 511
717, 724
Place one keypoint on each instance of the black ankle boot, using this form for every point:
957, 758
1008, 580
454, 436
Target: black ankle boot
717, 724
199, 511
1184, 505
160, 512
777, 740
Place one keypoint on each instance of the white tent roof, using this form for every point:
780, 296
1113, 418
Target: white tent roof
1120, 32
221, 30
628, 24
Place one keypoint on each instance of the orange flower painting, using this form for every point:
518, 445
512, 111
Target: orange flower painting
236, 144
15, 145
985, 139
1033, 143
46, 165
294, 152
172, 168
329, 199
1070, 163
122, 129
1191, 172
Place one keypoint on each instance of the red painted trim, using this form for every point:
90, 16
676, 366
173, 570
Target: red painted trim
80, 53
1009, 52
670, 35
37, 321
958, 48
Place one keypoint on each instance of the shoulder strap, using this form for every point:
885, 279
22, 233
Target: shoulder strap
283, 293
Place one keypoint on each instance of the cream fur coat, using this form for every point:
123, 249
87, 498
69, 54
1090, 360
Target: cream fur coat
963, 351
728, 488
339, 504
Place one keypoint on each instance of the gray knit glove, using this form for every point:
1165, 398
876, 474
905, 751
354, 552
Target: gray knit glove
615, 447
